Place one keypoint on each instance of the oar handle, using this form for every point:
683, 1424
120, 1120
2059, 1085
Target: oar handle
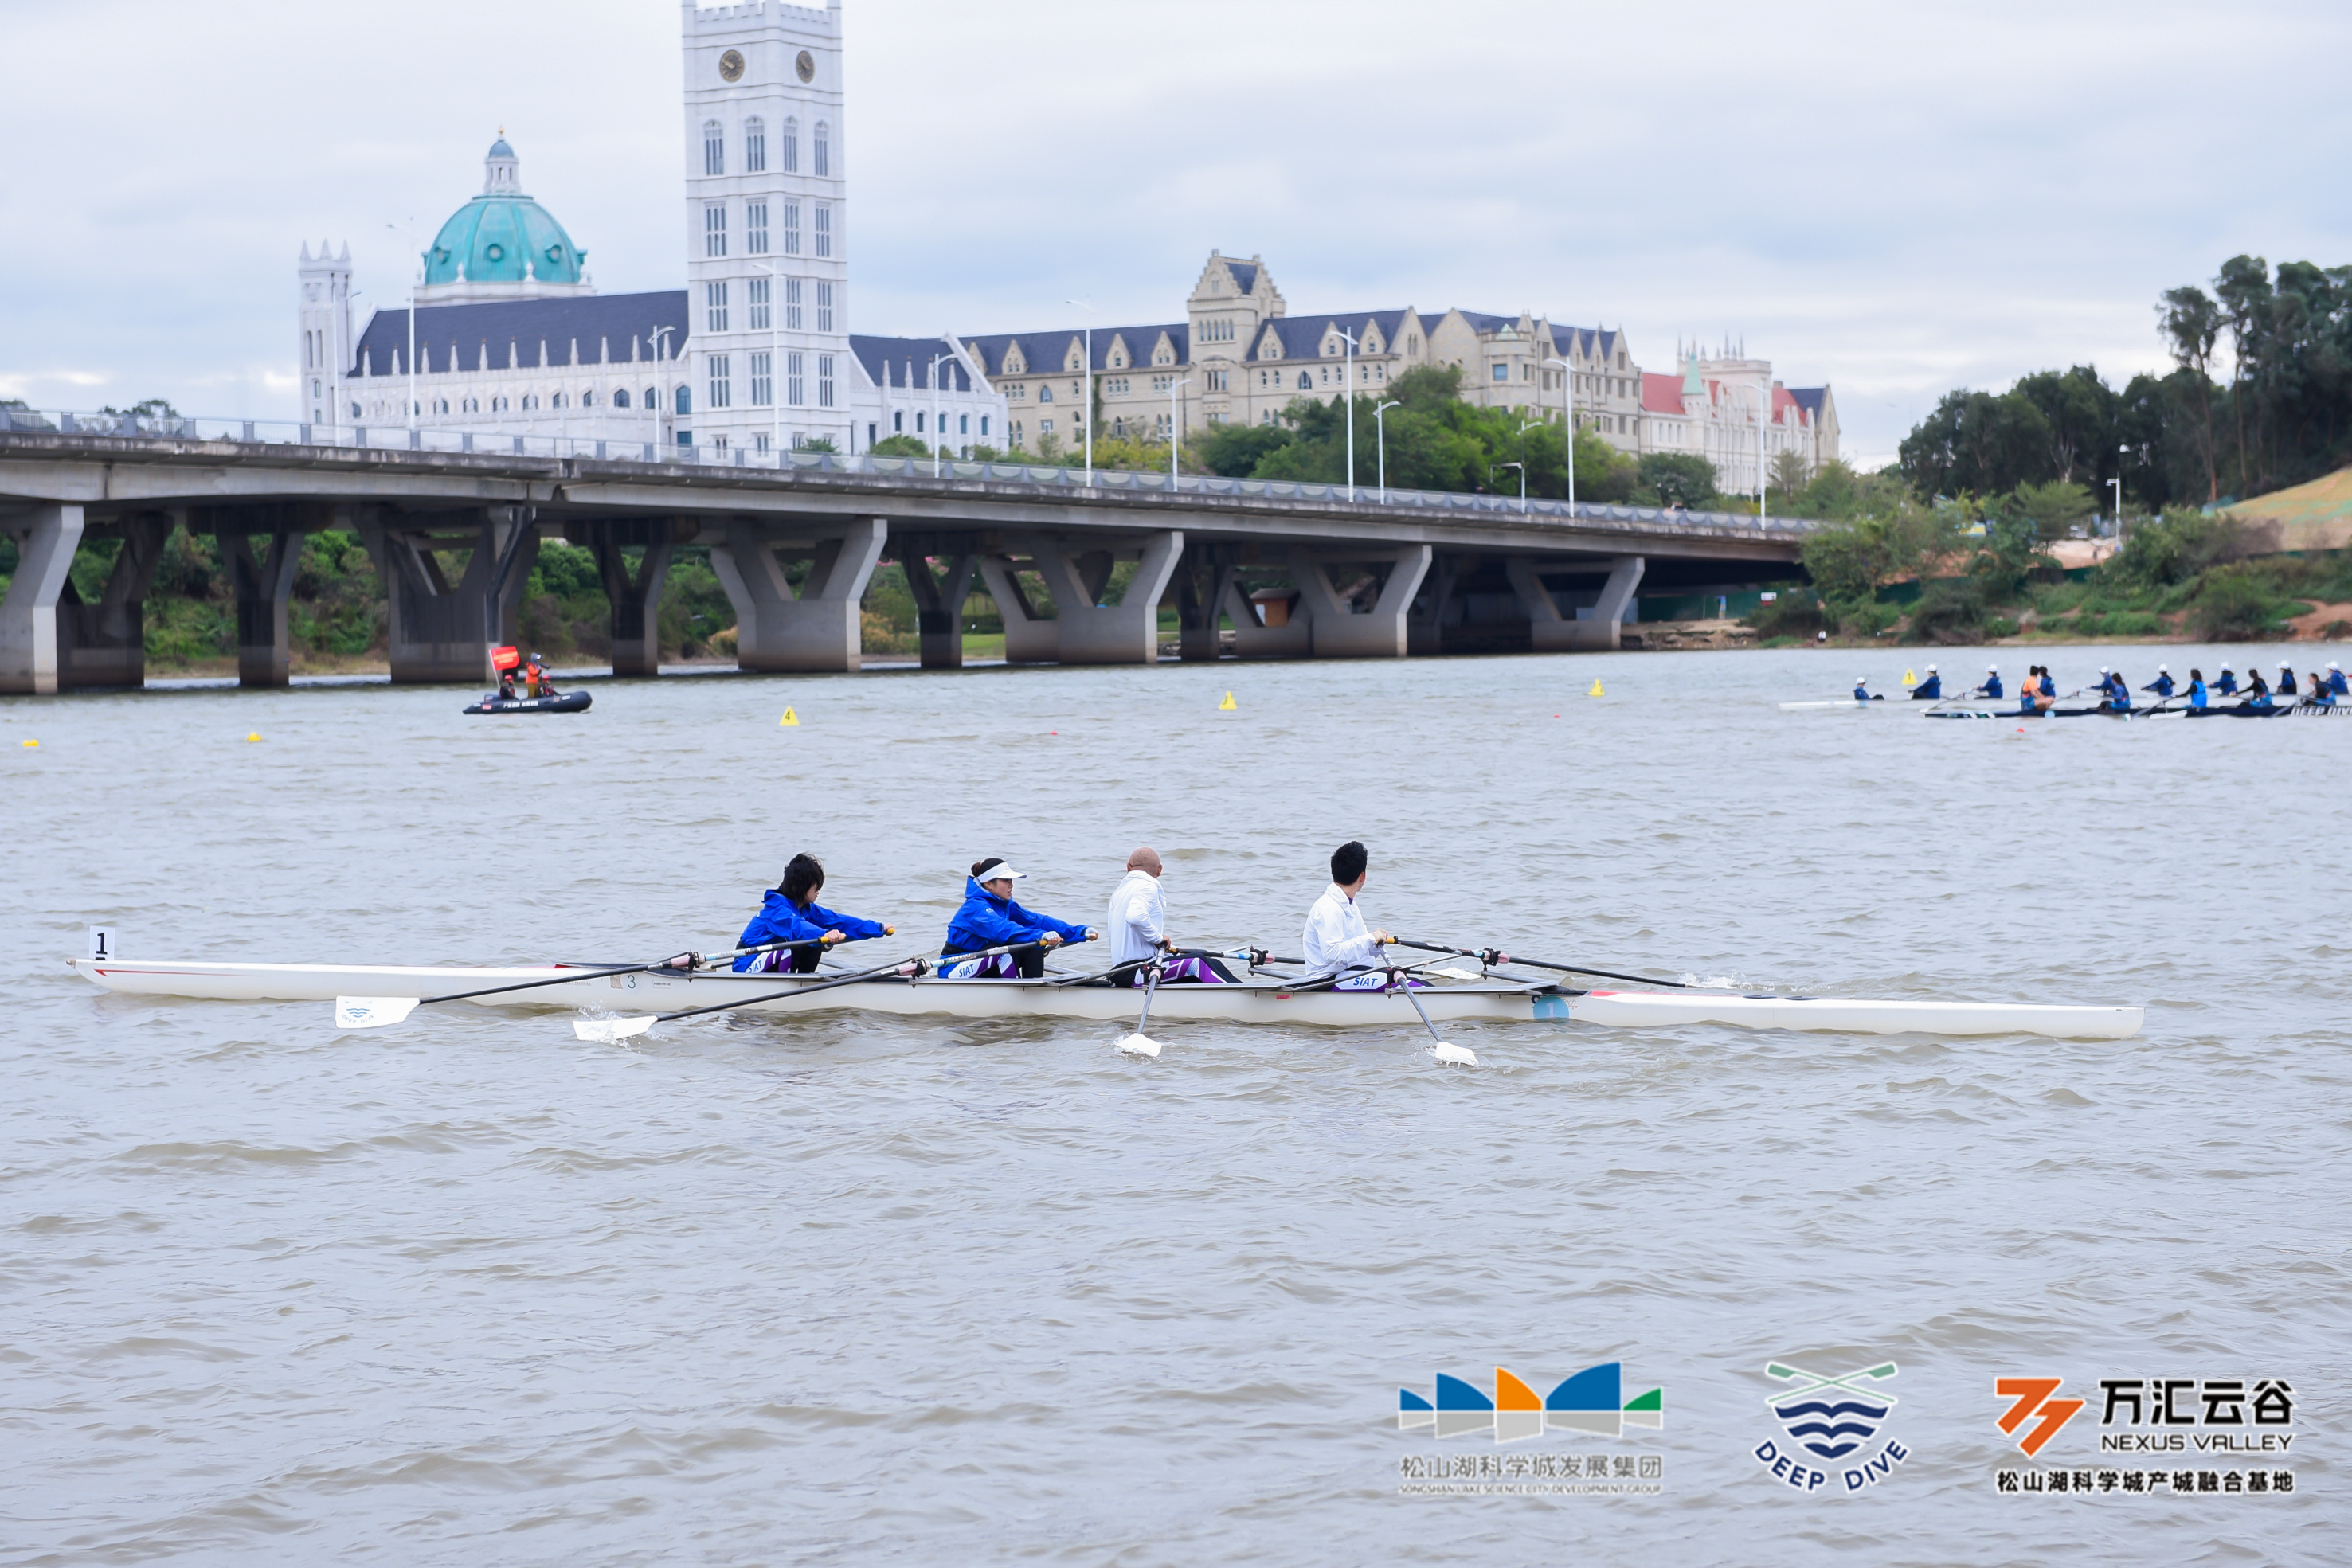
679, 961
912, 969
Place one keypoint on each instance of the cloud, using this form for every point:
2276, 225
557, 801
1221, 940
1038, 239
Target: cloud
1896, 200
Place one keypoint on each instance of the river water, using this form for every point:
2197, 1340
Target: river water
845, 1289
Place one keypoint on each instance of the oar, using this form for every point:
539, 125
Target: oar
1494, 957
375, 1012
1444, 1051
1138, 1043
610, 1031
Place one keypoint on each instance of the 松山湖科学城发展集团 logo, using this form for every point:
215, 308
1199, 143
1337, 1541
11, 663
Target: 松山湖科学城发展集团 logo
2155, 1435
1591, 1403
1832, 1423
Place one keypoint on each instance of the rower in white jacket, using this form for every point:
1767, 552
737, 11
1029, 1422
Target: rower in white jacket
1336, 940
1137, 928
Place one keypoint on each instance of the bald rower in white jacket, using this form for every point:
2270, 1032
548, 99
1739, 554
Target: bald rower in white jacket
1137, 928
1336, 940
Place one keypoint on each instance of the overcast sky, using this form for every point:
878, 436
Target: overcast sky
1895, 199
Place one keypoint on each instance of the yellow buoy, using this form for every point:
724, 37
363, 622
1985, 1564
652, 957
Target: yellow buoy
789, 721
1228, 706
255, 736
32, 743
1910, 679
1596, 687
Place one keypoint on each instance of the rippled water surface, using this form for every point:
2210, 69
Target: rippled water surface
843, 1289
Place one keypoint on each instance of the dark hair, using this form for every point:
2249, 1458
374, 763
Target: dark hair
1348, 863
2194, 674
802, 878
982, 865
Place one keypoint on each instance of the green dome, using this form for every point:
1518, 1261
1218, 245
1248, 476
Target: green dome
493, 237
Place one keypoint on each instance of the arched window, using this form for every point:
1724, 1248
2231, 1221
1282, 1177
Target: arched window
684, 400
653, 399
556, 402
755, 146
787, 147
714, 147
441, 405
356, 411
530, 400
1305, 381
621, 398
588, 398
473, 405
821, 151
497, 405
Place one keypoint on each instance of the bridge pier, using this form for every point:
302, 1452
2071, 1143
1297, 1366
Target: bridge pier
635, 596
1201, 581
1339, 630
262, 586
1093, 632
819, 628
46, 538
938, 601
440, 631
104, 644
1549, 631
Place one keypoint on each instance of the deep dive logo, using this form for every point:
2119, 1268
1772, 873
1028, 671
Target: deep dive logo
1831, 1423
1591, 1401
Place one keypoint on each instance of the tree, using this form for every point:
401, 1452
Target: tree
1977, 441
2191, 324
1790, 474
1236, 450
1677, 478
2243, 287
899, 446
2080, 409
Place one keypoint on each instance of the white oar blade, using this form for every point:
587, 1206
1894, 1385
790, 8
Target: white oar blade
1455, 1054
372, 1012
611, 1031
1141, 1045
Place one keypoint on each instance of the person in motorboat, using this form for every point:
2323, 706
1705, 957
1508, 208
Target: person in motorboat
1335, 941
2258, 696
789, 912
2162, 685
2198, 697
1929, 690
989, 918
2225, 684
1990, 690
1862, 692
1137, 928
535, 682
2337, 684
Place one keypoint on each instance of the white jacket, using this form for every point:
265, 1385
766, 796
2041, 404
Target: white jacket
1137, 919
1335, 938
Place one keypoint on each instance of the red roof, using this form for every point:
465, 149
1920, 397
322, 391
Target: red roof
1661, 395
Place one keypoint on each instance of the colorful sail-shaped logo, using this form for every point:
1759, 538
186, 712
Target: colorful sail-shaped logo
1591, 1403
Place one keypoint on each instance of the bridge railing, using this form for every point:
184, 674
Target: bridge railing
606, 449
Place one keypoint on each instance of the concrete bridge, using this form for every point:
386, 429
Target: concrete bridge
795, 539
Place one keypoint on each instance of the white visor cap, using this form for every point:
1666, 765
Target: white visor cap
1001, 872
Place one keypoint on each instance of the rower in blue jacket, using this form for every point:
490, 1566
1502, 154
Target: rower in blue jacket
1929, 690
2336, 685
2285, 686
2197, 698
789, 912
2118, 692
989, 918
2049, 686
1862, 692
2162, 685
2258, 696
2225, 684
1991, 687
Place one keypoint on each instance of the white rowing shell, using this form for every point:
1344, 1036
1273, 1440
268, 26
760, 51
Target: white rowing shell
1259, 1001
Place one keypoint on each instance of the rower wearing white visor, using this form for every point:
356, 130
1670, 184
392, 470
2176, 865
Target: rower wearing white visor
1991, 687
989, 918
1929, 690
1335, 941
1137, 925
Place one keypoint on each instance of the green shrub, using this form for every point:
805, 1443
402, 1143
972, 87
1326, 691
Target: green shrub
2236, 604
1951, 610
1795, 612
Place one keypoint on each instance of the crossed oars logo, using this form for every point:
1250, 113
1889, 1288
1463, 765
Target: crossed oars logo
1818, 1428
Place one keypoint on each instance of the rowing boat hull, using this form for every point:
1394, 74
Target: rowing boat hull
1257, 1002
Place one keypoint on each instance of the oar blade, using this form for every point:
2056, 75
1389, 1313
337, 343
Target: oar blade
611, 1031
1141, 1045
1453, 1055
372, 1012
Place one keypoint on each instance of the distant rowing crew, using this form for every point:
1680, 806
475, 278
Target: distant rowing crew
2112, 693
992, 937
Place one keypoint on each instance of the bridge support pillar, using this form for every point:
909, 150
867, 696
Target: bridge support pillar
262, 584
1549, 631
938, 600
46, 541
635, 594
442, 630
1092, 632
1340, 631
817, 629
1030, 638
1202, 581
104, 644
1425, 626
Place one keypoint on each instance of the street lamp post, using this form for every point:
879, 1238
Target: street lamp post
1087, 416
1523, 428
659, 337
1348, 402
1175, 425
2118, 483
937, 428
1568, 414
1523, 481
1380, 439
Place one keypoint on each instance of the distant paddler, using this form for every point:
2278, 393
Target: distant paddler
2047, 697
2336, 685
2115, 689
2198, 697
1862, 692
2225, 684
2258, 696
1137, 928
1990, 690
2285, 686
989, 918
789, 912
1930, 690
2162, 685
1335, 941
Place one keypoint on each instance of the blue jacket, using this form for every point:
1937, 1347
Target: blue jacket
2337, 683
2161, 687
2118, 693
2226, 684
2049, 686
1928, 690
781, 920
1992, 687
987, 920
2196, 697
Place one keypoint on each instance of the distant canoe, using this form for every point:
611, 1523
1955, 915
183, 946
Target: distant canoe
562, 702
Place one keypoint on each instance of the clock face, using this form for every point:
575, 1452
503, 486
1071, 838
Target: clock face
730, 66
805, 66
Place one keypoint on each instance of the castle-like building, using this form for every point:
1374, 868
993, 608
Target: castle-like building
508, 337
